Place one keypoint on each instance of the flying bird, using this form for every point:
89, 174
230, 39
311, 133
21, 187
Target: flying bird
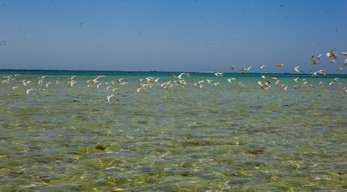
295, 79
266, 79
109, 98
14, 88
218, 74
263, 66
246, 69
345, 63
280, 65
231, 79
313, 74
232, 68
332, 54
322, 72
186, 74
277, 82
318, 56
141, 88
296, 69
32, 89
314, 62
93, 80
174, 76
264, 85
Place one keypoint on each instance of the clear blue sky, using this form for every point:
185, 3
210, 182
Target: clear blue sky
171, 35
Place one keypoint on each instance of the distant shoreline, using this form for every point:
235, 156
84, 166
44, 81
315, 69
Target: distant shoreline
155, 71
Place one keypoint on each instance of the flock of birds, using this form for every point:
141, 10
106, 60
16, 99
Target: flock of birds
315, 61
148, 82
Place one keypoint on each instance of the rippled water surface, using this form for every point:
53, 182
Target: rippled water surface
227, 137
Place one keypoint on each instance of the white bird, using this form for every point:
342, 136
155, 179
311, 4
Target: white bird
232, 68
266, 79
296, 69
94, 80
186, 74
141, 88
71, 81
174, 76
40, 81
339, 69
263, 66
179, 77
264, 85
318, 56
47, 84
218, 74
345, 63
109, 98
32, 89
209, 81
246, 69
231, 79
278, 82
280, 65
25, 82
14, 88
313, 74
149, 79
199, 84
166, 85
332, 54
314, 62
322, 72
6, 81
285, 88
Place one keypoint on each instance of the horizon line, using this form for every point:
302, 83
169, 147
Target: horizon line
155, 71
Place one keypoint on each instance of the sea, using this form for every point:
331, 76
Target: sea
167, 131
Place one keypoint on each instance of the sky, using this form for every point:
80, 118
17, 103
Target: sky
172, 35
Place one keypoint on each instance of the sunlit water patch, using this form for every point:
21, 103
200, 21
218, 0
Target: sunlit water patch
231, 136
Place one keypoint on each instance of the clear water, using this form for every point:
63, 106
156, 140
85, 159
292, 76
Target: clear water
230, 137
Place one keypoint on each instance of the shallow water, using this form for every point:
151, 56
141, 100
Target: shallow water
231, 137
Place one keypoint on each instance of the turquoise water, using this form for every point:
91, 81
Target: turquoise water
173, 137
